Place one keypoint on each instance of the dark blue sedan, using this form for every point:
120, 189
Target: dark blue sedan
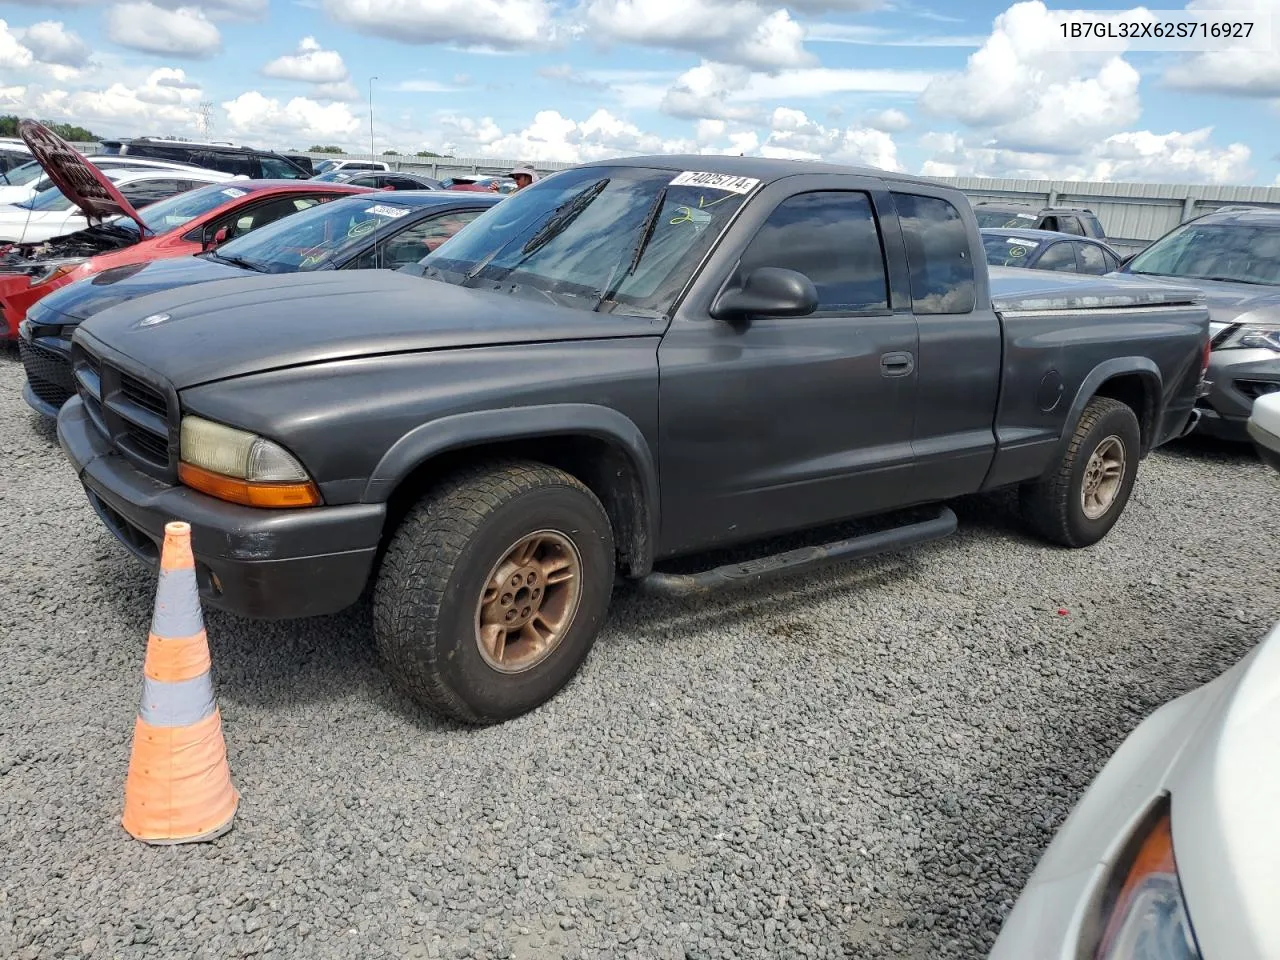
1046, 250
367, 231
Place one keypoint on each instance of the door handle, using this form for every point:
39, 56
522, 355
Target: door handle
897, 364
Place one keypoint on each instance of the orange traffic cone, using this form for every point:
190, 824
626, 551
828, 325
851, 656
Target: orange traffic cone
179, 785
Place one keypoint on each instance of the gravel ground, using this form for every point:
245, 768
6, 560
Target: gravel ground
865, 763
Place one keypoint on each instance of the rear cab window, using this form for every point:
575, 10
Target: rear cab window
939, 260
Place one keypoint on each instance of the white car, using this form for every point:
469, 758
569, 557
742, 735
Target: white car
1173, 853
49, 214
329, 166
22, 183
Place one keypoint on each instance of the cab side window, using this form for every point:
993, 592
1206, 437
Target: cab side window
259, 216
939, 260
1090, 259
833, 239
1060, 256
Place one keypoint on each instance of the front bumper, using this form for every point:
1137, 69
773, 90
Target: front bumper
258, 563
47, 364
1239, 377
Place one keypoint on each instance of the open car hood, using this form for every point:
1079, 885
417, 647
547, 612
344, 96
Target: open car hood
80, 181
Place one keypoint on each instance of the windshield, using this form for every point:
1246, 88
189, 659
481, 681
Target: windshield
1006, 251
48, 201
330, 176
315, 238
1244, 253
324, 166
23, 175
1005, 218
173, 212
631, 234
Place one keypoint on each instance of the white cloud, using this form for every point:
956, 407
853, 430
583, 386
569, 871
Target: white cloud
796, 137
182, 32
220, 9
880, 37
486, 24
428, 86
310, 63
253, 115
1173, 157
733, 31
552, 136
890, 121
1248, 74
50, 42
343, 90
118, 108
727, 92
168, 85
14, 55
1032, 95
702, 91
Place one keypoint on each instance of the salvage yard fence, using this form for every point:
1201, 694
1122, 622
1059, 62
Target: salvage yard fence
1133, 214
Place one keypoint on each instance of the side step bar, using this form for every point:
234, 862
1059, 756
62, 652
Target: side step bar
753, 571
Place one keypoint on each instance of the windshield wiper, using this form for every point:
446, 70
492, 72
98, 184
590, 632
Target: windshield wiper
560, 219
239, 262
646, 234
1256, 283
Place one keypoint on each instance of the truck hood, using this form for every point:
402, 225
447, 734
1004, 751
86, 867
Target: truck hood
1018, 289
80, 181
230, 328
107, 289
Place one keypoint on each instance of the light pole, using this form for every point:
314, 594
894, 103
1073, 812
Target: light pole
371, 153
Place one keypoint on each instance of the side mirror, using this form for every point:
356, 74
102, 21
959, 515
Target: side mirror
212, 240
768, 292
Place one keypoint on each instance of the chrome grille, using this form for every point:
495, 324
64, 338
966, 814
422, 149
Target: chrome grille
136, 411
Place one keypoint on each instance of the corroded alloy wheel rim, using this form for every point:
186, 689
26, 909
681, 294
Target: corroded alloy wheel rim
1102, 476
529, 601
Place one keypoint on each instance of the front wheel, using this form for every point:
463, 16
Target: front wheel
1077, 504
493, 589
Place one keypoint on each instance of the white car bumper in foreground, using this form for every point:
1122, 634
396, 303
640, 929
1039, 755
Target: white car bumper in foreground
1215, 754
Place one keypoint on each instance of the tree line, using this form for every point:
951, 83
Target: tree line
67, 131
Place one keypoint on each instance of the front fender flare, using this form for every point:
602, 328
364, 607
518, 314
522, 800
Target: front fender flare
479, 427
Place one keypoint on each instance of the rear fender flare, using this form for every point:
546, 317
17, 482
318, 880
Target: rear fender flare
481, 427
1117, 366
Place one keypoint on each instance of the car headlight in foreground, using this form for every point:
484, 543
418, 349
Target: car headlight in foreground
241, 467
1144, 916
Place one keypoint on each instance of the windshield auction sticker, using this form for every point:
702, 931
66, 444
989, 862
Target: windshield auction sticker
232, 192
381, 210
715, 181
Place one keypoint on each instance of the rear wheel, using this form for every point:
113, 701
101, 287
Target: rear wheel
1077, 504
493, 589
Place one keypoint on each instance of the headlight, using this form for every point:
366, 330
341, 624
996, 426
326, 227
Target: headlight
242, 467
1147, 918
1253, 335
44, 272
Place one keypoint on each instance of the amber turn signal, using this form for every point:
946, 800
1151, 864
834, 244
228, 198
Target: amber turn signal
248, 492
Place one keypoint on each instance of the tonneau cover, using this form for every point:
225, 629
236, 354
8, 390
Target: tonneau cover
1017, 289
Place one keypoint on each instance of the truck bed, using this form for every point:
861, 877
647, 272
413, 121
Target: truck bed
1015, 290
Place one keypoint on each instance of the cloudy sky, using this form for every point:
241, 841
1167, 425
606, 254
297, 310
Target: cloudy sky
938, 87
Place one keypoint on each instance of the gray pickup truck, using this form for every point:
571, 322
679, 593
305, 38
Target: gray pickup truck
628, 362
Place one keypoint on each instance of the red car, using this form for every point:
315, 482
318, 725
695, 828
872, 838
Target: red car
121, 235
